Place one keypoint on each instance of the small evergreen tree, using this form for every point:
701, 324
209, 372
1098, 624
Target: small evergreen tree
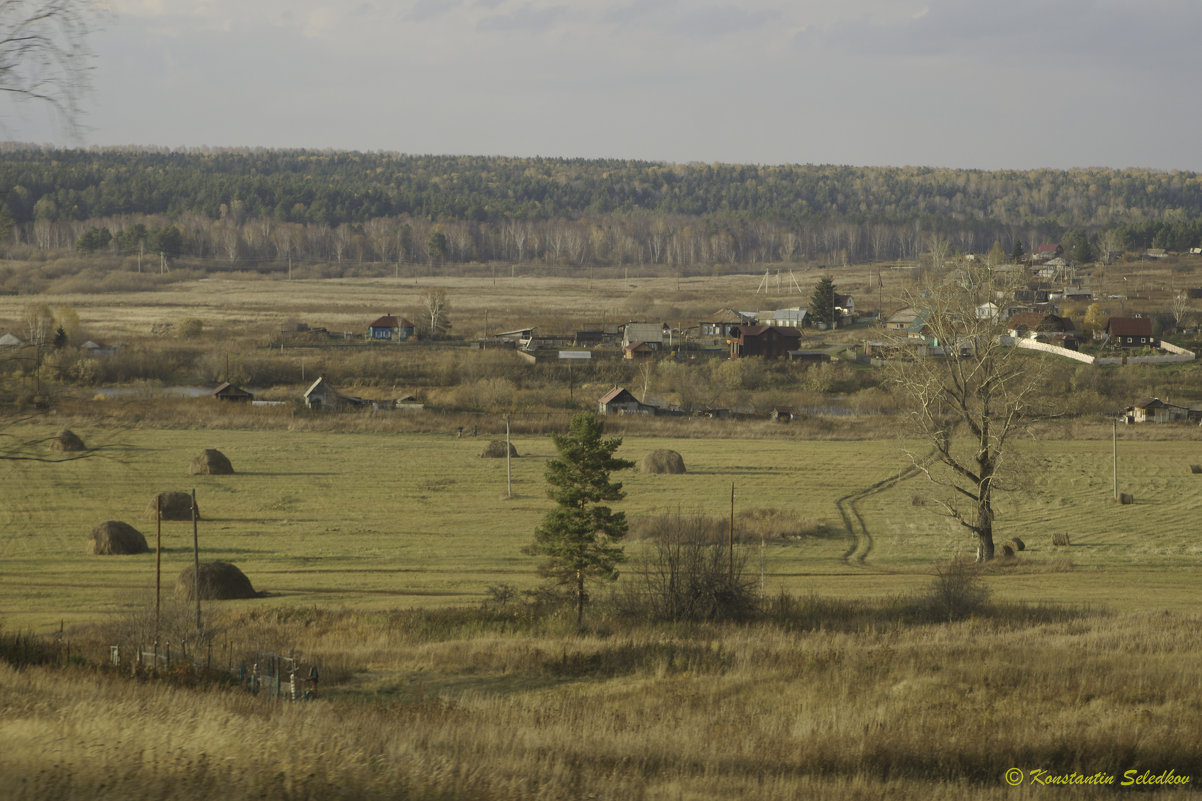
1019, 253
578, 536
822, 302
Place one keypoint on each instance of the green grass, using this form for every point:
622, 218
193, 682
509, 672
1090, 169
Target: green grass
377, 521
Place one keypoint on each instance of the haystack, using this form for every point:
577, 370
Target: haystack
210, 462
175, 505
1018, 544
67, 440
116, 537
496, 450
219, 581
662, 460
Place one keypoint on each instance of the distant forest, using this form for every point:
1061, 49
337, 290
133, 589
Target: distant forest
246, 206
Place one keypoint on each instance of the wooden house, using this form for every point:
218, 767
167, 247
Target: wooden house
1154, 410
650, 333
1032, 323
1131, 332
322, 395
390, 329
621, 401
766, 341
720, 322
638, 352
228, 392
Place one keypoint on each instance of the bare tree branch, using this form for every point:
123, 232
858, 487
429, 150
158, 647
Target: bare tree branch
44, 53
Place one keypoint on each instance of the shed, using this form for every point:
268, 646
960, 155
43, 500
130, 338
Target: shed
228, 392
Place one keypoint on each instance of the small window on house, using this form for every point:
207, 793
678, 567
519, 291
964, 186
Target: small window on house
1129, 340
1143, 340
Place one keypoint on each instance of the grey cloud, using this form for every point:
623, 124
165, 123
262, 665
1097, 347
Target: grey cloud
672, 17
526, 18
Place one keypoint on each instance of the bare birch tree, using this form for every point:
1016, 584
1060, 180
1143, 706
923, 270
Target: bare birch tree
44, 54
970, 392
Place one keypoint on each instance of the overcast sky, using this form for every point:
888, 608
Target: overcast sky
960, 83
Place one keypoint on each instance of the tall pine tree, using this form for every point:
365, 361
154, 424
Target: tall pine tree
578, 537
822, 302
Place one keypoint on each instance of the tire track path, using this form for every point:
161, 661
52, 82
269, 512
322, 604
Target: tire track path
857, 531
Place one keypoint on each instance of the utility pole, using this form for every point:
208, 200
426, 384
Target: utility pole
508, 468
196, 560
730, 537
158, 573
1115, 449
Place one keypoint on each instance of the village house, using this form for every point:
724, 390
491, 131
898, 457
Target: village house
321, 395
390, 328
1154, 410
11, 340
1031, 324
228, 392
766, 341
1130, 332
638, 352
652, 334
720, 322
783, 318
620, 401
901, 320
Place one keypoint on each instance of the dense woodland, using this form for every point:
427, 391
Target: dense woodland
247, 206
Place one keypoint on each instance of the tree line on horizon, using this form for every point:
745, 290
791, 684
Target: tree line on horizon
274, 205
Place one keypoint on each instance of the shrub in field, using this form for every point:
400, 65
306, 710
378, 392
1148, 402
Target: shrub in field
956, 591
691, 575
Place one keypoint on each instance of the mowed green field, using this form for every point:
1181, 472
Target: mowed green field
394, 521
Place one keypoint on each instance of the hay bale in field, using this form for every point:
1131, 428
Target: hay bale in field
495, 449
1125, 498
1017, 543
662, 460
1195, 468
219, 581
210, 462
1007, 550
67, 441
116, 537
1060, 540
175, 506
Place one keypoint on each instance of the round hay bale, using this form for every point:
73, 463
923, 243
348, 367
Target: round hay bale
116, 537
175, 506
219, 581
1018, 544
67, 441
496, 450
1007, 551
210, 462
662, 460
1126, 498
1195, 468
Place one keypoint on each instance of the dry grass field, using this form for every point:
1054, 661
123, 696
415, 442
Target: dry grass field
375, 542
